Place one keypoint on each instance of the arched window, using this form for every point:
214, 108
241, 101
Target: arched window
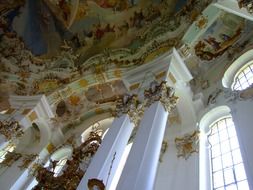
226, 160
221, 163
244, 78
239, 75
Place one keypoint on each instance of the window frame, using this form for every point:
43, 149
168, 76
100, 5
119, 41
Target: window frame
239, 72
231, 150
231, 72
205, 166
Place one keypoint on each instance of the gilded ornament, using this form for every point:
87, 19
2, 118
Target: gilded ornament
96, 184
129, 104
75, 167
248, 5
11, 129
187, 145
10, 158
201, 23
161, 92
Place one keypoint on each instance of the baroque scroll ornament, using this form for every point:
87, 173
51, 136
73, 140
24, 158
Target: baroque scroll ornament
11, 129
71, 176
248, 4
161, 92
187, 144
129, 104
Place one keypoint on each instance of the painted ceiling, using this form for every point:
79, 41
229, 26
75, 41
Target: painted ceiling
89, 26
77, 51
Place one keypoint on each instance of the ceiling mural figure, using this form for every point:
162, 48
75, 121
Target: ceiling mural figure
42, 53
220, 36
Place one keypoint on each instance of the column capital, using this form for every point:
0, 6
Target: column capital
11, 129
160, 92
130, 105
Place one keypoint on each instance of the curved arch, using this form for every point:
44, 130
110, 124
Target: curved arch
229, 75
80, 128
64, 152
213, 115
205, 181
44, 138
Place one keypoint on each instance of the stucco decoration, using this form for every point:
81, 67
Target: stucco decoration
75, 168
11, 129
10, 158
236, 95
161, 92
247, 93
248, 5
187, 145
129, 104
93, 37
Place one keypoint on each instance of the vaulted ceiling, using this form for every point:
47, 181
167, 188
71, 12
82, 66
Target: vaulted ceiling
76, 49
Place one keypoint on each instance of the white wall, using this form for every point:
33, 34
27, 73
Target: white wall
242, 113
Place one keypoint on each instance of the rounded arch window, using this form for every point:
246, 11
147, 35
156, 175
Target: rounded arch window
239, 75
226, 160
221, 163
244, 77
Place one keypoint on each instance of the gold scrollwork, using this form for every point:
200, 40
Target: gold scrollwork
96, 184
246, 4
129, 104
161, 92
11, 129
187, 144
72, 174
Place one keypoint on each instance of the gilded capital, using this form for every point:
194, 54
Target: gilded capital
11, 129
129, 104
163, 93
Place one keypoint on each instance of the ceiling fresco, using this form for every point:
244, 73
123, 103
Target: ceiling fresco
220, 36
76, 51
42, 50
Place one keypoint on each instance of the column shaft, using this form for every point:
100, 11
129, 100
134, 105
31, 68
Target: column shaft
140, 169
105, 162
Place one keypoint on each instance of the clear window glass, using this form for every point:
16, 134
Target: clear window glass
227, 164
244, 78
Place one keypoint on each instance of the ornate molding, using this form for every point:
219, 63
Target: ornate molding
160, 92
74, 170
96, 184
129, 104
187, 144
246, 4
10, 158
11, 129
239, 95
201, 22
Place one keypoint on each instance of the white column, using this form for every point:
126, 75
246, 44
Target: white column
140, 168
105, 162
